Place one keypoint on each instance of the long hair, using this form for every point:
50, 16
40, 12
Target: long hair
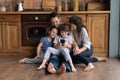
78, 22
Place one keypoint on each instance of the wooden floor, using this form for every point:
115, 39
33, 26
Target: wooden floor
11, 70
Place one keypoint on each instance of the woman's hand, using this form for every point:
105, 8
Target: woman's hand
76, 51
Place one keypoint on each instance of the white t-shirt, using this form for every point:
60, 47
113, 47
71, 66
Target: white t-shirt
68, 39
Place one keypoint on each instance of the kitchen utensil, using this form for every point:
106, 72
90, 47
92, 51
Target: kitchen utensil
48, 4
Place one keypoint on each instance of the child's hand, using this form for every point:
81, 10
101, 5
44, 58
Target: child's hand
65, 44
57, 45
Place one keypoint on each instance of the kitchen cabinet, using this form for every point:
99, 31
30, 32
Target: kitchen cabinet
65, 17
10, 39
97, 25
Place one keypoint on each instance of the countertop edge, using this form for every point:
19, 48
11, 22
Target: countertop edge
65, 12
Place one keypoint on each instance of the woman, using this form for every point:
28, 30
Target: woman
82, 46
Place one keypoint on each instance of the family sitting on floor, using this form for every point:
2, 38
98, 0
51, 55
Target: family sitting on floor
63, 46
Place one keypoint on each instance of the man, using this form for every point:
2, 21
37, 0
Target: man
55, 20
54, 65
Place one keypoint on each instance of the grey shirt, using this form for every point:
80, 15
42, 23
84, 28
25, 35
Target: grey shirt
83, 39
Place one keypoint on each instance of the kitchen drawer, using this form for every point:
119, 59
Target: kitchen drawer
9, 18
66, 17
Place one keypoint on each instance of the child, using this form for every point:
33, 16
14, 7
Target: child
45, 42
62, 45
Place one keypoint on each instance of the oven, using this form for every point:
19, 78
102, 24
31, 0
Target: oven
33, 27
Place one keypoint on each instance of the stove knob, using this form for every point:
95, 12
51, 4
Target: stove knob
36, 18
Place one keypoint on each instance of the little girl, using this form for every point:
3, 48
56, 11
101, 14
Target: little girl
45, 42
62, 45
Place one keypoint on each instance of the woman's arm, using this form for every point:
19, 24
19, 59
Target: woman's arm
76, 49
86, 44
79, 50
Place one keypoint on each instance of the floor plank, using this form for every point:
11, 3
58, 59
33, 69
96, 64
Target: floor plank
11, 70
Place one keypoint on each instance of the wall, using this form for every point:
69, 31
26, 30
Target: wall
114, 29
119, 31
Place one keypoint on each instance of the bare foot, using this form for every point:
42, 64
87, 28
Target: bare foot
51, 68
102, 59
22, 61
89, 67
62, 69
41, 67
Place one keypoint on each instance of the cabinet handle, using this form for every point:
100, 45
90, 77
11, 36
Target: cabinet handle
36, 18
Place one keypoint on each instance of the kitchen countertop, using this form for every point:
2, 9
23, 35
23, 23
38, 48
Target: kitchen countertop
64, 12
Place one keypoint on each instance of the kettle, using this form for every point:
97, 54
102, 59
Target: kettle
20, 6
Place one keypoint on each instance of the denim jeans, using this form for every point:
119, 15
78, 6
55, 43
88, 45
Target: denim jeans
57, 61
84, 57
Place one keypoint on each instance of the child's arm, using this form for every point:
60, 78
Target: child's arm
66, 44
74, 42
39, 49
70, 42
56, 45
56, 42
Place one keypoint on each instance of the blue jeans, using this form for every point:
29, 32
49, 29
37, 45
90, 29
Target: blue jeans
84, 57
57, 61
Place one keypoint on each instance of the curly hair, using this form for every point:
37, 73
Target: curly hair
64, 27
